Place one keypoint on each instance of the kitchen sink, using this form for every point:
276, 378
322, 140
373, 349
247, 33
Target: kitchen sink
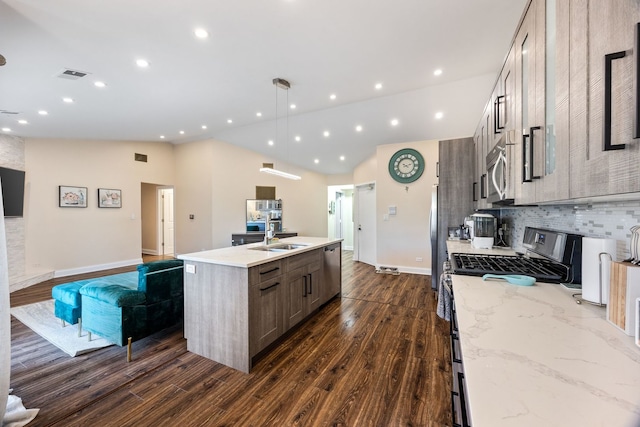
281, 247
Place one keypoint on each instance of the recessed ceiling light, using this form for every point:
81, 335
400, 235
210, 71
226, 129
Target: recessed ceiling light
204, 126
201, 33
394, 122
316, 161
358, 128
181, 132
6, 129
437, 72
293, 106
43, 112
229, 121
297, 138
100, 84
326, 133
23, 122
439, 115
342, 158
161, 136
67, 100
142, 63
332, 96
259, 114
270, 142
378, 86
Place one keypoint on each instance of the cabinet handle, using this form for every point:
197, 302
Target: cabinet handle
497, 125
463, 403
310, 285
270, 271
475, 185
608, 60
304, 292
531, 134
525, 178
483, 186
269, 287
454, 358
636, 82
437, 169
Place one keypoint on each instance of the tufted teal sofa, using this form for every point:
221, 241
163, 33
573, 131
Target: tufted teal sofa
136, 305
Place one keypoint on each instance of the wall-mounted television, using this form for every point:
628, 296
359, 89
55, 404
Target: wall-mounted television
12, 191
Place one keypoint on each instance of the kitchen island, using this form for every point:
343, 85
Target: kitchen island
533, 357
239, 300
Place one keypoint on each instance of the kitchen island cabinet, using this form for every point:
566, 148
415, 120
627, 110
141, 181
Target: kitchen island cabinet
533, 357
239, 300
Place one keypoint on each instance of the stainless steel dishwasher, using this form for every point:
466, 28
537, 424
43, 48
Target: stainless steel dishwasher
332, 270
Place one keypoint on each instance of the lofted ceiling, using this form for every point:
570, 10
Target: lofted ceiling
322, 47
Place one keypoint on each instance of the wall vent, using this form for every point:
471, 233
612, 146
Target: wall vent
140, 157
70, 74
8, 112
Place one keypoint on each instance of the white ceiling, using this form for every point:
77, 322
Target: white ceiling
321, 47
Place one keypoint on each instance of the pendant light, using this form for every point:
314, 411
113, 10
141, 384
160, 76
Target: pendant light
282, 84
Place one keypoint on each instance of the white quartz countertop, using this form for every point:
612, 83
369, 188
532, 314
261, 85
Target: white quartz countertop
533, 357
244, 256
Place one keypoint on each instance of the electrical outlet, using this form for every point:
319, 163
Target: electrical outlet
419, 259
191, 268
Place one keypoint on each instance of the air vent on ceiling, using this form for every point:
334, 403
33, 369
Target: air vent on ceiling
140, 157
70, 74
8, 112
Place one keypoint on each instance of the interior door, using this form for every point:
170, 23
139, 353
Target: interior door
366, 224
338, 216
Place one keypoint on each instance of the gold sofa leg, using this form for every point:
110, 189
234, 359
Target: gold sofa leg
129, 350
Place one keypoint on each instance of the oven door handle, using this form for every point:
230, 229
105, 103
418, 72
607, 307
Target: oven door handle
501, 190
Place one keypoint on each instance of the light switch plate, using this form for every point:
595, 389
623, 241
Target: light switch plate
190, 268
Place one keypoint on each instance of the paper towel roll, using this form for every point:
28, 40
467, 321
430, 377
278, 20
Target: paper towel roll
591, 248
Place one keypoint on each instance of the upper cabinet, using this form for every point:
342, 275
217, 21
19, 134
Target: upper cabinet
604, 154
565, 103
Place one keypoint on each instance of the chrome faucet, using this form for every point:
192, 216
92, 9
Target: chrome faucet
269, 233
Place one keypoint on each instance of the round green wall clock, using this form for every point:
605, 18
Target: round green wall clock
406, 165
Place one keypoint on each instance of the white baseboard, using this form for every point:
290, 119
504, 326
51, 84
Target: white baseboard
29, 279
347, 248
149, 251
410, 270
98, 267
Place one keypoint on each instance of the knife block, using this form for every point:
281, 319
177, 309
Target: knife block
623, 292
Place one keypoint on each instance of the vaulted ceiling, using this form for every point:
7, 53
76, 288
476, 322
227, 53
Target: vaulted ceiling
214, 87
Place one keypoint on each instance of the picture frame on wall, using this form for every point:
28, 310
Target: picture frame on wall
109, 198
72, 197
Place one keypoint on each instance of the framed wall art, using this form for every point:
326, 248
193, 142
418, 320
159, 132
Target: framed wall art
72, 197
109, 198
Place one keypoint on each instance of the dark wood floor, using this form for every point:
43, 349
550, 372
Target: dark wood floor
379, 356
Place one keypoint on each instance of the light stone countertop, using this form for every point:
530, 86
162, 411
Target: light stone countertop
243, 256
533, 357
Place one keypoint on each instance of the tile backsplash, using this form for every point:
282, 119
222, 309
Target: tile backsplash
608, 220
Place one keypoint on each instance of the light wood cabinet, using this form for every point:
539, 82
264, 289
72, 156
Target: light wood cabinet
303, 288
604, 35
266, 302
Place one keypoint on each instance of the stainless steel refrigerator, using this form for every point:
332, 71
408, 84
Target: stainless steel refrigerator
452, 198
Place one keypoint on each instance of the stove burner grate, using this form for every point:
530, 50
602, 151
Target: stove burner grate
477, 265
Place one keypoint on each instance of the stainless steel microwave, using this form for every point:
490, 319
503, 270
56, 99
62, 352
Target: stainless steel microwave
500, 174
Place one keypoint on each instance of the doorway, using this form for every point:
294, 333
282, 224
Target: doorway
157, 217
365, 224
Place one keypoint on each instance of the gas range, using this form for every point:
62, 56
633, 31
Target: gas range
477, 265
557, 258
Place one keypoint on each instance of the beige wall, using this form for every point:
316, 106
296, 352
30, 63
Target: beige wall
404, 237
71, 240
214, 180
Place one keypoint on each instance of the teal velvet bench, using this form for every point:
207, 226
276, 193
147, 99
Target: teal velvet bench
67, 300
128, 310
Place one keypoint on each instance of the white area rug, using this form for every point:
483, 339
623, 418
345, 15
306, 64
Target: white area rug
39, 318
